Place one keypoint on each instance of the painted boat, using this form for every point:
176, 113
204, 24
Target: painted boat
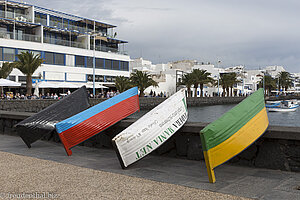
43, 123
92, 121
273, 104
152, 130
285, 106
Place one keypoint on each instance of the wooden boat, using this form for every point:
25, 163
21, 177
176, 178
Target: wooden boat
151, 130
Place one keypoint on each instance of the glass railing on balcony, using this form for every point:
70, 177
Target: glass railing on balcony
6, 35
16, 16
108, 49
79, 45
64, 43
18, 36
40, 21
28, 37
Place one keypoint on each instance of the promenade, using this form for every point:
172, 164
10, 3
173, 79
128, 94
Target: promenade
96, 174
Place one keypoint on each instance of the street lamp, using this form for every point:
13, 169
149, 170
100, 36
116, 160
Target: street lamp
218, 77
94, 57
264, 81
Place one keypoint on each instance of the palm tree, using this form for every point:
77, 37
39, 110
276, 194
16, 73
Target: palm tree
225, 82
6, 69
285, 80
122, 83
27, 63
270, 84
201, 77
232, 81
142, 80
188, 81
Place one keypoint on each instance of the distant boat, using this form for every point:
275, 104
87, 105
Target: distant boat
285, 106
273, 104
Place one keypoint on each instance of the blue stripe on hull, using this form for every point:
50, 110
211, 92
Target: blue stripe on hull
80, 117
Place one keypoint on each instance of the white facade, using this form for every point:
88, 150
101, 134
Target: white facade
274, 70
64, 41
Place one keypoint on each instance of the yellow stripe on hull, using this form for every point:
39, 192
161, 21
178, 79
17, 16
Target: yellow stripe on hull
239, 141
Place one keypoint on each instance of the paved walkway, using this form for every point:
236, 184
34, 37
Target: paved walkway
233, 180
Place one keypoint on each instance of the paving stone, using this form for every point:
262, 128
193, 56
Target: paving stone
236, 180
251, 186
281, 195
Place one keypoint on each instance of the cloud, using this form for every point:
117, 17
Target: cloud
254, 33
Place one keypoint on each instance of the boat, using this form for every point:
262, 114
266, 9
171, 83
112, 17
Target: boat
273, 104
152, 130
285, 106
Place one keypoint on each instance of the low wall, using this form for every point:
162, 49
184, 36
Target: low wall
146, 103
278, 148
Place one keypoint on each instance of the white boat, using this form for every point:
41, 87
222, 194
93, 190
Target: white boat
285, 106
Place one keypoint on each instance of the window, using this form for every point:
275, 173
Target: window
89, 62
115, 65
1, 58
108, 79
8, 54
59, 59
22, 78
124, 66
108, 64
22, 50
49, 58
37, 53
79, 61
12, 78
99, 78
100, 63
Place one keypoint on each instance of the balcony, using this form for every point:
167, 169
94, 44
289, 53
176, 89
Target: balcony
64, 43
16, 16
40, 21
24, 37
108, 49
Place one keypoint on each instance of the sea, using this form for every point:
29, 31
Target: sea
211, 113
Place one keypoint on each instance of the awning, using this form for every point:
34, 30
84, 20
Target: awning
67, 85
97, 85
45, 84
8, 83
101, 38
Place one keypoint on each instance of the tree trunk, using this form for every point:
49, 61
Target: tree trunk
142, 93
227, 92
29, 84
223, 93
201, 90
188, 92
232, 91
196, 88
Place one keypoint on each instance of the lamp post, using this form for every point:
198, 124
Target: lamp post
264, 82
94, 56
218, 77
94, 66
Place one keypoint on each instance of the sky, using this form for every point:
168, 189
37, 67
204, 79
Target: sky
252, 33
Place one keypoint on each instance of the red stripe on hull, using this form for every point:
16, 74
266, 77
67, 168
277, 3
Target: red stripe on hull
98, 123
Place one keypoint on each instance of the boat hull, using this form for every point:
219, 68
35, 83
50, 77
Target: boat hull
282, 109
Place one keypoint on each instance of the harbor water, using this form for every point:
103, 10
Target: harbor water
211, 113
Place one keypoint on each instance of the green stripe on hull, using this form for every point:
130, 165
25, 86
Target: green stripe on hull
229, 123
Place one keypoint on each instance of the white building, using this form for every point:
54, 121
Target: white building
274, 70
141, 64
64, 41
